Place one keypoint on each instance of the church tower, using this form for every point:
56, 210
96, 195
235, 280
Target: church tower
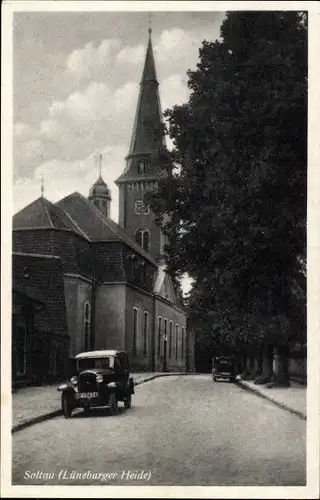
100, 195
140, 174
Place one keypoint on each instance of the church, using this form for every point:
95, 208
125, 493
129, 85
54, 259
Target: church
83, 282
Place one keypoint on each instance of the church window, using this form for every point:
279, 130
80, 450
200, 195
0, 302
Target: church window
143, 238
135, 329
21, 349
142, 167
141, 208
177, 340
182, 341
159, 335
145, 332
165, 329
170, 339
87, 326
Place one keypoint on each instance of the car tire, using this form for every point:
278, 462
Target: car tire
128, 401
113, 404
66, 406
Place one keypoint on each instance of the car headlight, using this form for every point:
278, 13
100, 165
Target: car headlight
74, 380
112, 385
99, 379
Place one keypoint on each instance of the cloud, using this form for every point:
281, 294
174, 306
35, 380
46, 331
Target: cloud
174, 91
131, 55
21, 130
62, 178
88, 61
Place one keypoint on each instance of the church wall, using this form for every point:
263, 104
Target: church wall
140, 358
108, 261
77, 293
110, 314
32, 241
74, 251
138, 271
134, 221
166, 311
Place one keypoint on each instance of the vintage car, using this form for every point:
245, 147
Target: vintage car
101, 378
224, 367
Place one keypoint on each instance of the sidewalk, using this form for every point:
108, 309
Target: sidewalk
293, 398
36, 404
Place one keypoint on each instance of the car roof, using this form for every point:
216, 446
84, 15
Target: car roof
97, 354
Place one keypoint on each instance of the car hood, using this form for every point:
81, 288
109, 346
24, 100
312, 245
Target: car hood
98, 371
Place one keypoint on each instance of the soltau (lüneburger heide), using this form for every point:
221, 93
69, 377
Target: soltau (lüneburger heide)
73, 475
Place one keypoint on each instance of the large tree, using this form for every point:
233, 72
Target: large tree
234, 202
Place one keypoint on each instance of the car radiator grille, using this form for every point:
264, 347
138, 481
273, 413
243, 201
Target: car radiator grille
88, 383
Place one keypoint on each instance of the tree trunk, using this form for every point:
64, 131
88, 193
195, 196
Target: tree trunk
257, 367
281, 375
267, 366
249, 367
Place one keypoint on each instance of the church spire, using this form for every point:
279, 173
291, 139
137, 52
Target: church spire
146, 135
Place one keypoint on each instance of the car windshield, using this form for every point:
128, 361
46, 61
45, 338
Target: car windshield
100, 363
224, 365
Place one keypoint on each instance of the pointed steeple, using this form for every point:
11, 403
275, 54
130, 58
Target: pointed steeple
149, 70
147, 131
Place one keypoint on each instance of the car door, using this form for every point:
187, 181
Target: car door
121, 372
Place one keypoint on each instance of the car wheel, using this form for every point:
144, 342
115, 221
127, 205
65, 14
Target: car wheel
113, 404
66, 406
127, 402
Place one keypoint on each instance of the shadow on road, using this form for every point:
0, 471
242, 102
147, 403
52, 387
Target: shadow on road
98, 412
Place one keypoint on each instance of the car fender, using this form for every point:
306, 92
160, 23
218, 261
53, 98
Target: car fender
131, 385
66, 388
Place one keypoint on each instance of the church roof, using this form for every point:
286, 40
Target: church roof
96, 226
147, 136
42, 214
99, 188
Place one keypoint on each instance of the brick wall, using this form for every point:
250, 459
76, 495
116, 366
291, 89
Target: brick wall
110, 315
135, 221
108, 261
77, 293
143, 303
74, 251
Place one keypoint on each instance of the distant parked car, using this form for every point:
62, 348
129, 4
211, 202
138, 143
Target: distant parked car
224, 367
101, 379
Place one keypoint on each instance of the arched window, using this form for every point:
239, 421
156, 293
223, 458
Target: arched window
87, 326
142, 167
159, 335
145, 332
143, 238
182, 341
177, 340
135, 329
170, 339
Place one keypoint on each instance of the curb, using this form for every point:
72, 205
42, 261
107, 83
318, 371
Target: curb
57, 413
36, 420
152, 377
277, 403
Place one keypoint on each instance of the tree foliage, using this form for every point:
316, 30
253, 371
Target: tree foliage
234, 203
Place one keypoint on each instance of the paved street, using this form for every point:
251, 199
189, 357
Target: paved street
183, 430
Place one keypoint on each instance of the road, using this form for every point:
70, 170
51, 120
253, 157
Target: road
183, 431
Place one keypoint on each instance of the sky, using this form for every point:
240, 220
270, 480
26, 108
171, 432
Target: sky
75, 89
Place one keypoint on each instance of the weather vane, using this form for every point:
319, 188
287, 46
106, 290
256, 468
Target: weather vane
42, 187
